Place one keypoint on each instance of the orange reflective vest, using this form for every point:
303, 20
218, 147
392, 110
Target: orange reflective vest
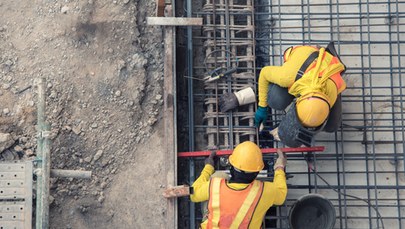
329, 68
330, 60
340, 83
228, 208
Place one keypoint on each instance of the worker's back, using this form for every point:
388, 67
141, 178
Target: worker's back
233, 195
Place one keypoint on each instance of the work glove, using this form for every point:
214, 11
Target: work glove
281, 160
210, 158
260, 115
232, 100
228, 102
274, 132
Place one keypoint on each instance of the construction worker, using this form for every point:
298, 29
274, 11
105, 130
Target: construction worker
311, 76
241, 201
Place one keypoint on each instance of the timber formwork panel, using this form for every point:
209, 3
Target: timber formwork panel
229, 43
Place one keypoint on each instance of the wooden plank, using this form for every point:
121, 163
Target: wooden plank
169, 118
174, 21
177, 191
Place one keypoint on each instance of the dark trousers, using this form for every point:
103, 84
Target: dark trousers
278, 98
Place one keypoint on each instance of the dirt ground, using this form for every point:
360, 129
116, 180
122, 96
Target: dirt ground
104, 71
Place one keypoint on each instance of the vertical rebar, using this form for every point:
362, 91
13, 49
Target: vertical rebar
370, 75
363, 83
309, 23
190, 108
401, 99
401, 87
228, 64
394, 137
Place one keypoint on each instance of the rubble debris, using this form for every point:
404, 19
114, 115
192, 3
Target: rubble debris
6, 141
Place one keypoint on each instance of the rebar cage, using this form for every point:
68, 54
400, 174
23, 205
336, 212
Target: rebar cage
362, 169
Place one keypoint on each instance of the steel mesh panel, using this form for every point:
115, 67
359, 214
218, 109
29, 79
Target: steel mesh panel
363, 162
362, 169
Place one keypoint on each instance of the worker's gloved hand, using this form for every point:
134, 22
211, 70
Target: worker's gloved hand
210, 159
274, 132
228, 102
260, 115
232, 100
281, 160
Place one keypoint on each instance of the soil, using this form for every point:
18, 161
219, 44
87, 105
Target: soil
104, 71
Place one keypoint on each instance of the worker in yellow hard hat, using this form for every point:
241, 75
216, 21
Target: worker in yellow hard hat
311, 76
240, 201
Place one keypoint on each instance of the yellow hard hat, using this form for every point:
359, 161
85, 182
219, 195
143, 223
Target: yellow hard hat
313, 109
287, 53
247, 157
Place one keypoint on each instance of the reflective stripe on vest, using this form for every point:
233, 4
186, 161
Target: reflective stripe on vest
246, 205
340, 83
238, 211
216, 211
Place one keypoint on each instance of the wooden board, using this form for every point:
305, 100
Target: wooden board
177, 191
170, 131
174, 21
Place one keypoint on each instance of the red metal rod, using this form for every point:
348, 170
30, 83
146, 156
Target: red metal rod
267, 150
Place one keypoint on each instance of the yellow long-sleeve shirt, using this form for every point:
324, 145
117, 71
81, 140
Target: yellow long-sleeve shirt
284, 75
274, 193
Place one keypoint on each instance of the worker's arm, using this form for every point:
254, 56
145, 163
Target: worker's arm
279, 181
202, 184
283, 76
274, 193
280, 184
273, 74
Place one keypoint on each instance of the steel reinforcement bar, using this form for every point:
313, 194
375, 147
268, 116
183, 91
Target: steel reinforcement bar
229, 43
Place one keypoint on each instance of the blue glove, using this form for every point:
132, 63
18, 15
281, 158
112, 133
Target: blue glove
260, 115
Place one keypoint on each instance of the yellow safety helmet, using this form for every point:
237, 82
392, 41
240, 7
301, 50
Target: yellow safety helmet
287, 53
313, 109
247, 157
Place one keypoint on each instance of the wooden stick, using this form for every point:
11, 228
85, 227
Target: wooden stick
177, 191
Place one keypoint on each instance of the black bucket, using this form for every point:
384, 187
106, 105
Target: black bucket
312, 211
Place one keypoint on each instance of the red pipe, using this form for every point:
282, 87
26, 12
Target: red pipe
267, 150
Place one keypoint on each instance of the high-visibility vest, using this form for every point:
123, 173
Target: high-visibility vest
228, 208
329, 60
329, 68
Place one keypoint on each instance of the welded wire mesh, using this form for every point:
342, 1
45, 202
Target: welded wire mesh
363, 165
362, 169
